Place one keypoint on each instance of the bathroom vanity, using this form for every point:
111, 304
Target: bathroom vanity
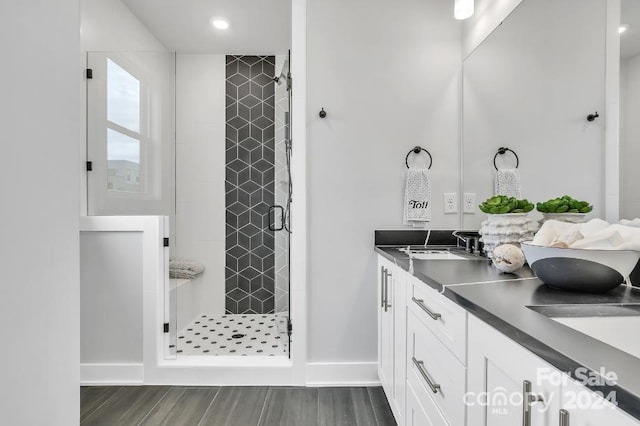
460, 343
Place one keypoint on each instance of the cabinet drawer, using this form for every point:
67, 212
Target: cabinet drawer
444, 318
430, 367
421, 410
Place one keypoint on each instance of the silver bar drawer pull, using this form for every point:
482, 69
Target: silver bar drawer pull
420, 366
528, 399
382, 275
386, 290
564, 418
420, 303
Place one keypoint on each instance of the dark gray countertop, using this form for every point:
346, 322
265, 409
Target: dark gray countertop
501, 300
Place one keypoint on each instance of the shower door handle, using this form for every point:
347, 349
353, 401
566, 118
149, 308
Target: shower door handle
272, 210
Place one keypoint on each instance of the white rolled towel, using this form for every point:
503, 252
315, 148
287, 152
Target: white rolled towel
184, 268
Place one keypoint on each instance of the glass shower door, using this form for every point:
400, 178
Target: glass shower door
279, 218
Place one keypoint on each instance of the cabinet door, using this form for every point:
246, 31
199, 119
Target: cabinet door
385, 329
582, 407
399, 312
498, 369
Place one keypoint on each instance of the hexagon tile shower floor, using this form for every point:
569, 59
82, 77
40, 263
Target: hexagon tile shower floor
240, 335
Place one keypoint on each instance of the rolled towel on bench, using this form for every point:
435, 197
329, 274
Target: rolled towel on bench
184, 268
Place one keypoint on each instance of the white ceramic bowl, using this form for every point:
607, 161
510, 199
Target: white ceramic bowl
584, 270
565, 217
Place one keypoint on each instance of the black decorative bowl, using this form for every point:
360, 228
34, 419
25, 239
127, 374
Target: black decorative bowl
580, 270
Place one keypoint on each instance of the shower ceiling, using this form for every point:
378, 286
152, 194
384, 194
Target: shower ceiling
255, 26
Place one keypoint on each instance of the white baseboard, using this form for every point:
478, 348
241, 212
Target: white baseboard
342, 374
111, 374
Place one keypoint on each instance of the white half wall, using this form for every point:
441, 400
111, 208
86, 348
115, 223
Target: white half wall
386, 88
111, 297
39, 295
200, 176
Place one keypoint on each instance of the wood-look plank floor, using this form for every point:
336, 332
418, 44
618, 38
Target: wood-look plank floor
234, 406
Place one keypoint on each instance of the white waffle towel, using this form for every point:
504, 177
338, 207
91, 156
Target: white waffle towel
508, 183
417, 199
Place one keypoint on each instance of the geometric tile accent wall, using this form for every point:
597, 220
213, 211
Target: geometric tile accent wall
249, 184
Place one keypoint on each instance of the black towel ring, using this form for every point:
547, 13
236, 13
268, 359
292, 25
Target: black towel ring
417, 150
503, 150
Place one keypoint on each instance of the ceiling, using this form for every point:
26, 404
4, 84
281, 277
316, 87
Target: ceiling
630, 39
257, 27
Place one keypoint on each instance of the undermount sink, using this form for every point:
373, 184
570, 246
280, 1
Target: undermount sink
431, 254
613, 324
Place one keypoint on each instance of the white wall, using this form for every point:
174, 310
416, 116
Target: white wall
388, 77
629, 136
200, 175
39, 295
108, 25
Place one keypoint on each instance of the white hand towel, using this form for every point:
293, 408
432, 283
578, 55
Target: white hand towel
508, 183
417, 199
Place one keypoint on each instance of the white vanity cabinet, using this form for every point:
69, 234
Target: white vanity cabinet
392, 335
441, 366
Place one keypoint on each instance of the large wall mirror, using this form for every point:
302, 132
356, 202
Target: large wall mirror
530, 86
629, 109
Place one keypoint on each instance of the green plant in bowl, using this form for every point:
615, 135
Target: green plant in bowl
564, 204
501, 204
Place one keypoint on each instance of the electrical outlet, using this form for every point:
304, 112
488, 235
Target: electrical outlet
450, 202
469, 202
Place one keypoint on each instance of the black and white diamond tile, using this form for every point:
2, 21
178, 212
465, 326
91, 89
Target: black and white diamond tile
242, 335
250, 164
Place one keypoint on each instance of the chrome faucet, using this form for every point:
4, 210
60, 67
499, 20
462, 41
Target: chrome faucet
469, 239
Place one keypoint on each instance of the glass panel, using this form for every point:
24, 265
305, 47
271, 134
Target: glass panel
133, 95
123, 162
282, 198
123, 97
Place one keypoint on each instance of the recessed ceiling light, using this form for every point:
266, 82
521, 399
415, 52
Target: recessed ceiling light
220, 23
622, 28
